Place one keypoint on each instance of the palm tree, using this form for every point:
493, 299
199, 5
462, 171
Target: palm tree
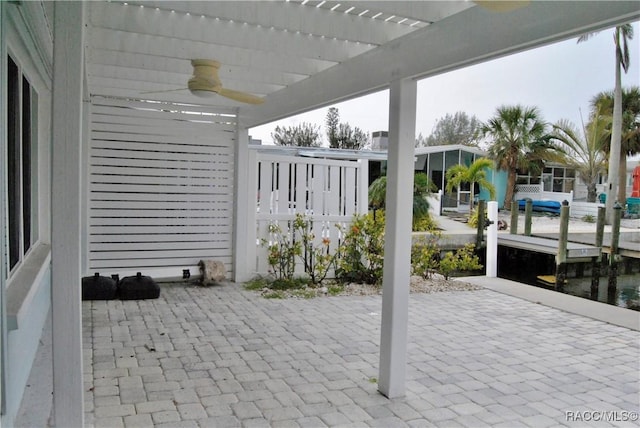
422, 186
622, 35
586, 150
520, 141
474, 173
602, 103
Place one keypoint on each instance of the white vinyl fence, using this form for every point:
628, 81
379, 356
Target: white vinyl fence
536, 192
327, 192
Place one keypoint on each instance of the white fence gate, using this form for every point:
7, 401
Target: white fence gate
327, 192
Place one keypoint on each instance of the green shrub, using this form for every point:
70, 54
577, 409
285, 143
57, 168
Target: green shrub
282, 251
362, 250
473, 218
463, 259
316, 256
298, 241
425, 255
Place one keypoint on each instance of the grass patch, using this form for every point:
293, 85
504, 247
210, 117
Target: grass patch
274, 294
257, 283
308, 293
335, 289
289, 284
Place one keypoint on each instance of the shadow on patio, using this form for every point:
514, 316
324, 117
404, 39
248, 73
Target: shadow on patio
223, 356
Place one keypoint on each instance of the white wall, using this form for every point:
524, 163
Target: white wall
27, 296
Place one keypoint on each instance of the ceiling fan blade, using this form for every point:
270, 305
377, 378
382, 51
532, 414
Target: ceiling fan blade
166, 90
243, 97
502, 5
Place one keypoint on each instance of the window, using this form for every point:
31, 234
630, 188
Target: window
21, 140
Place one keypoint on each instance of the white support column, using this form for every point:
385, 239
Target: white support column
492, 240
397, 248
244, 217
66, 154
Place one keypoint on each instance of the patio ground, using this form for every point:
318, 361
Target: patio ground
223, 356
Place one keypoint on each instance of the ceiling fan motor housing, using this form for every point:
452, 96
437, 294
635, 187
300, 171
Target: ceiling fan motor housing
205, 76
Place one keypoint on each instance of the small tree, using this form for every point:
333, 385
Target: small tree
474, 173
342, 135
303, 135
422, 186
458, 128
332, 122
586, 149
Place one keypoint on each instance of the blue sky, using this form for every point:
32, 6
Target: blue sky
559, 79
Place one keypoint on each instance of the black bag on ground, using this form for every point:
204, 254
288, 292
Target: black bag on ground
98, 288
138, 287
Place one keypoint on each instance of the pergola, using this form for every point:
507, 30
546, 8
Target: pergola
298, 55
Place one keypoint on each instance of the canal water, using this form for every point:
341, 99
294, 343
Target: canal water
627, 293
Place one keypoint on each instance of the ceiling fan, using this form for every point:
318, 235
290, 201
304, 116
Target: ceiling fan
205, 83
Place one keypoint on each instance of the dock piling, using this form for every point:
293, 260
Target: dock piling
528, 210
597, 261
513, 229
613, 254
561, 256
481, 225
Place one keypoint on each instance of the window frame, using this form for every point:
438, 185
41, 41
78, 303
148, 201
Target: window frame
22, 171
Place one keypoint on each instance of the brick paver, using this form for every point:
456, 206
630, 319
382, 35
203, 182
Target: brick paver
222, 356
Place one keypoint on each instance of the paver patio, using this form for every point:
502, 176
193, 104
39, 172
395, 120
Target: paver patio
223, 356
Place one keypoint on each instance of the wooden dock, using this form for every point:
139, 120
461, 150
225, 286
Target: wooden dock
576, 252
628, 245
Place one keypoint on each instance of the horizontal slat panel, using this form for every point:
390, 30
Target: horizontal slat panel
221, 162
152, 197
213, 138
123, 230
155, 147
158, 205
161, 254
183, 247
141, 265
117, 188
157, 106
223, 118
185, 222
155, 237
221, 210
193, 122
150, 130
158, 172
131, 154
209, 182
161, 185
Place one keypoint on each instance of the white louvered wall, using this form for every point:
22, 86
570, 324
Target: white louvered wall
160, 187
